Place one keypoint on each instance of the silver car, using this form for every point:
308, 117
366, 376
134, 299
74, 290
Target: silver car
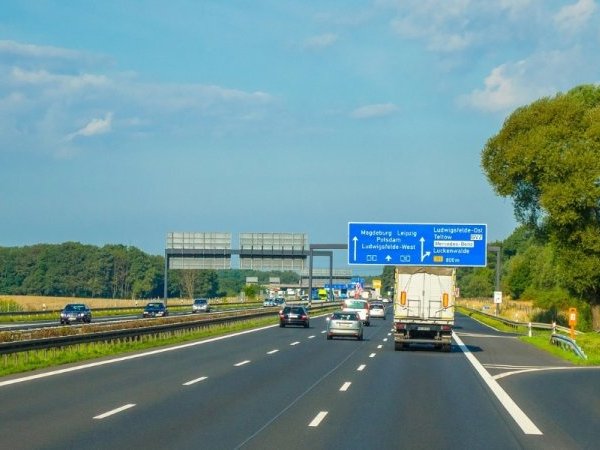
377, 309
345, 323
200, 305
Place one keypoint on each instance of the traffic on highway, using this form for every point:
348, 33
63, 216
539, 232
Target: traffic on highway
291, 387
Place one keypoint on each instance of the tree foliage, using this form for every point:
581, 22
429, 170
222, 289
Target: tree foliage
546, 158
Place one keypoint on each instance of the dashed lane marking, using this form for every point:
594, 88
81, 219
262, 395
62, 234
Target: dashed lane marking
372, 355
242, 363
295, 343
361, 367
345, 386
379, 346
272, 351
197, 380
114, 411
311, 337
318, 419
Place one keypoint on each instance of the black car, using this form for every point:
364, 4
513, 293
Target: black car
75, 312
294, 315
155, 309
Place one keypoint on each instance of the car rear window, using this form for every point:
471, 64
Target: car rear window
345, 316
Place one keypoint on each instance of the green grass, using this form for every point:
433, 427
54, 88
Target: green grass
589, 342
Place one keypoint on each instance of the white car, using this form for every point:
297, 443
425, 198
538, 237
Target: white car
359, 306
377, 309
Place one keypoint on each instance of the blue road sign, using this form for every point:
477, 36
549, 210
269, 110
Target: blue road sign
417, 244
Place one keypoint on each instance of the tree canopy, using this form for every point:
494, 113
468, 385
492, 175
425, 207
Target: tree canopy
546, 158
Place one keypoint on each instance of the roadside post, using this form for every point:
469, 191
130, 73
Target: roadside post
529, 326
572, 321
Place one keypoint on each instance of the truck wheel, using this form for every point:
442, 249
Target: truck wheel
398, 346
447, 348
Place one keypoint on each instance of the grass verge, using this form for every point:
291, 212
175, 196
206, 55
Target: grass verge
589, 342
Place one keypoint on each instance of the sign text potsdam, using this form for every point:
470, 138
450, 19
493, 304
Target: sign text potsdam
417, 244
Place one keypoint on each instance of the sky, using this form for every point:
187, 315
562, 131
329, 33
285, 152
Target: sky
123, 121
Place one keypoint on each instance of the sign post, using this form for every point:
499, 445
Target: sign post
572, 321
415, 244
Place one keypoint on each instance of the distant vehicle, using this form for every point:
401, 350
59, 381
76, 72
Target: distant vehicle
200, 305
346, 324
269, 302
155, 309
424, 306
279, 301
385, 300
75, 312
377, 309
359, 306
294, 315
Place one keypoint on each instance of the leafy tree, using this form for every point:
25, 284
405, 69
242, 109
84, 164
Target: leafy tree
546, 158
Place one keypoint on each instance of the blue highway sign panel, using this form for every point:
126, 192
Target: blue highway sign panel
417, 244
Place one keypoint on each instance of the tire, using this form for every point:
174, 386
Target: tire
398, 346
359, 338
281, 325
306, 325
329, 337
447, 348
368, 323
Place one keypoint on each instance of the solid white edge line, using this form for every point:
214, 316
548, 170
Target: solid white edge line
115, 411
511, 407
318, 419
197, 380
241, 363
345, 386
361, 367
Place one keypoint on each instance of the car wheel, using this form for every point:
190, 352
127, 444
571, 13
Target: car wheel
359, 338
306, 325
281, 325
368, 323
329, 337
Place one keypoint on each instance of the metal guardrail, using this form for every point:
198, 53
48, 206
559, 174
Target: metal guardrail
567, 343
514, 324
111, 335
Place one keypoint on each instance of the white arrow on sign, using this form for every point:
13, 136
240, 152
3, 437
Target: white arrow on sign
426, 254
355, 239
388, 258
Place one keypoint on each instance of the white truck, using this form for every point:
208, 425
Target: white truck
424, 306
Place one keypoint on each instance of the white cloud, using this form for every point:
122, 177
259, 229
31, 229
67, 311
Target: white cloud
511, 85
373, 111
573, 17
94, 127
320, 41
37, 51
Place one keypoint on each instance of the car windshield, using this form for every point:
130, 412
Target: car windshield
296, 310
154, 305
376, 306
200, 301
344, 316
75, 308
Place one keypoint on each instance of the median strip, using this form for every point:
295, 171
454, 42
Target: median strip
115, 411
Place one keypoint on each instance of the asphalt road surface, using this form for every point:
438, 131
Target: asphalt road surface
291, 388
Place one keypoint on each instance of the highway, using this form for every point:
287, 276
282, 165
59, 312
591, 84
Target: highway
291, 388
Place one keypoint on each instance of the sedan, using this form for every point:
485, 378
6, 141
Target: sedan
377, 309
200, 305
155, 309
344, 324
294, 315
75, 312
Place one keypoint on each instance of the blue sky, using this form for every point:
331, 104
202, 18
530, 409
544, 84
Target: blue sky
122, 121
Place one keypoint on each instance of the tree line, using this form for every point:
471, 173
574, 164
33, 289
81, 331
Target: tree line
73, 269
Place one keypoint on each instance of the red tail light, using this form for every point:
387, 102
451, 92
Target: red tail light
446, 328
400, 326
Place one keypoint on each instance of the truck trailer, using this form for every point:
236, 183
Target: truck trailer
424, 306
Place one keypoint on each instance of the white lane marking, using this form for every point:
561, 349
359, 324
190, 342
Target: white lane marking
537, 369
318, 418
379, 346
242, 363
275, 350
295, 343
511, 407
197, 380
361, 367
115, 411
389, 334
372, 355
129, 357
324, 331
385, 339
311, 337
486, 336
345, 386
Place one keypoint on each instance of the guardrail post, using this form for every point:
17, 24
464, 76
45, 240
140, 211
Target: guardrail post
529, 327
553, 327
